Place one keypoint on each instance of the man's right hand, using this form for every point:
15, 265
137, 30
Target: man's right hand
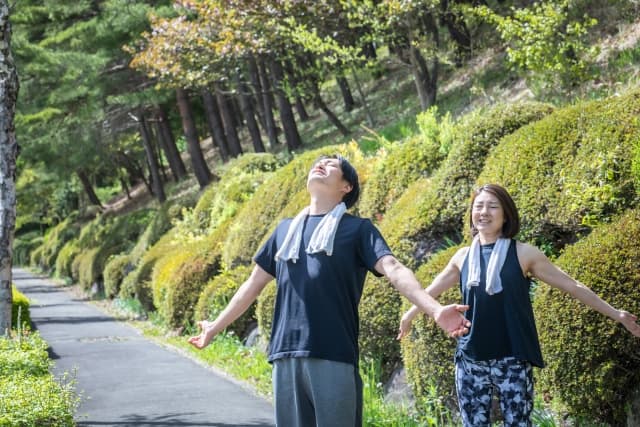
202, 340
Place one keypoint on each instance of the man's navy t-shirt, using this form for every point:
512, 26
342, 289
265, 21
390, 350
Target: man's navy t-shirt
316, 309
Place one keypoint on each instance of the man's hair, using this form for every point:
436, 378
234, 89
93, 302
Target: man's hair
350, 175
511, 225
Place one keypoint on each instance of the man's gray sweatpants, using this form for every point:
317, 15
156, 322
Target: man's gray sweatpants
316, 393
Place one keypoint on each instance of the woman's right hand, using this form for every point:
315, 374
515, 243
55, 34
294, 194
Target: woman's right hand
405, 325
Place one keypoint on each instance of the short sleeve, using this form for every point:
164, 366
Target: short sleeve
266, 255
372, 246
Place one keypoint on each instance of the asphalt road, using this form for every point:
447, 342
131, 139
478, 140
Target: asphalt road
126, 379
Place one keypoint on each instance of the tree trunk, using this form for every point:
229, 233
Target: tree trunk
214, 122
284, 106
458, 30
319, 103
295, 84
254, 79
347, 96
168, 144
88, 188
152, 161
227, 121
363, 99
134, 170
426, 82
249, 114
8, 153
267, 98
200, 168
302, 112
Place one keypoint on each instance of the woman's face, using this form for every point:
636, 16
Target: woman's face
487, 214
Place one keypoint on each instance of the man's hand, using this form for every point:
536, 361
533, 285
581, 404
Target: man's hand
205, 337
451, 320
405, 325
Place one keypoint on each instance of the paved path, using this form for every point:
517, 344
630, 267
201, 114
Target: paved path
126, 379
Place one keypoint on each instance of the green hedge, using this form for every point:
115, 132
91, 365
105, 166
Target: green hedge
54, 240
401, 163
427, 352
572, 169
217, 294
24, 245
590, 358
29, 394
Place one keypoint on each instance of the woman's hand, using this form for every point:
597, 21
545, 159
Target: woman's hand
405, 325
629, 321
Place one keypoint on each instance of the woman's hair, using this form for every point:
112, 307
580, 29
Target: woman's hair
511, 225
350, 175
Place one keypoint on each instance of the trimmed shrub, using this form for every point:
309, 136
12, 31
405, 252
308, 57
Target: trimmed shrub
217, 294
20, 305
30, 395
429, 215
427, 352
589, 357
115, 270
103, 237
54, 240
399, 164
572, 169
24, 245
64, 262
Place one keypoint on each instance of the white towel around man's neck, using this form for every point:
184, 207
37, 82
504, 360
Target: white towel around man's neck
321, 239
496, 261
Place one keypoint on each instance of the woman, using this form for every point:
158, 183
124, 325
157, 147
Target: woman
502, 346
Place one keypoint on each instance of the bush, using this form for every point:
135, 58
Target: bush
54, 240
400, 164
24, 245
588, 356
30, 396
217, 294
115, 270
427, 352
64, 262
20, 303
572, 169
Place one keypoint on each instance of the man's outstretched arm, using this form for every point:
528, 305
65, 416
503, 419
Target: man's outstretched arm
242, 299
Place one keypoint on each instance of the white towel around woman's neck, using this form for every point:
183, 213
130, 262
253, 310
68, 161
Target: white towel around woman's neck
321, 239
496, 261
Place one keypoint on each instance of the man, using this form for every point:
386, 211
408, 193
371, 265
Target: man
320, 259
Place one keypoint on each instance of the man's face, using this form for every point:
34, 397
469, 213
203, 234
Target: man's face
328, 174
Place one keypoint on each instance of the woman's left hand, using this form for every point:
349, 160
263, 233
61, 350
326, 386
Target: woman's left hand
629, 321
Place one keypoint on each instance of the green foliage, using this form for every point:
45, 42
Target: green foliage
635, 166
24, 245
572, 170
115, 270
103, 237
587, 354
178, 279
427, 352
544, 42
54, 240
30, 395
402, 163
20, 305
438, 212
64, 262
217, 294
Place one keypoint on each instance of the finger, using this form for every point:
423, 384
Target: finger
462, 308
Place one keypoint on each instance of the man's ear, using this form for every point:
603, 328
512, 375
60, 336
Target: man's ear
347, 188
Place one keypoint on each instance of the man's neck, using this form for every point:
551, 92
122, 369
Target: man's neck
319, 205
